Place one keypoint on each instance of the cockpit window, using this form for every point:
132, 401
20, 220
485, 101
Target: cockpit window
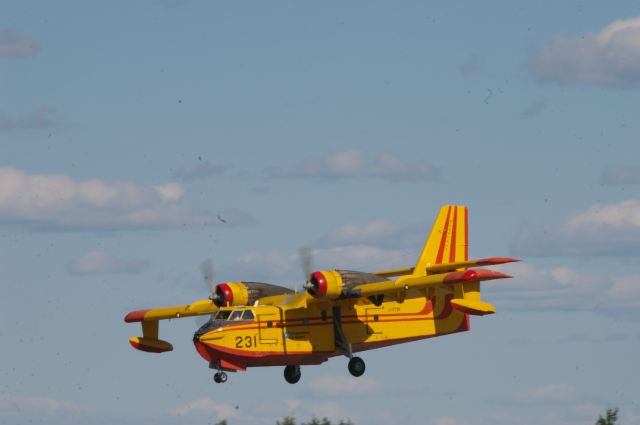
223, 314
236, 315
247, 315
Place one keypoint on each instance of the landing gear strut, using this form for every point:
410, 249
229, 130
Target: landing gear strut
356, 366
292, 374
220, 378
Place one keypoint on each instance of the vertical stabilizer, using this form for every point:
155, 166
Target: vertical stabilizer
448, 240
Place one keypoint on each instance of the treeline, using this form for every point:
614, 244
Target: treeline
288, 420
609, 418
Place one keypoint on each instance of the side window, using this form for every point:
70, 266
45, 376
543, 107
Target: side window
223, 314
247, 315
236, 315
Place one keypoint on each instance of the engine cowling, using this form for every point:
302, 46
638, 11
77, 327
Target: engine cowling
244, 293
325, 284
335, 284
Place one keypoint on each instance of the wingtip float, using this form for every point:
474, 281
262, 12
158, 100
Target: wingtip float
341, 312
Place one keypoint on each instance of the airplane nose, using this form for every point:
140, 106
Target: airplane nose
196, 338
204, 352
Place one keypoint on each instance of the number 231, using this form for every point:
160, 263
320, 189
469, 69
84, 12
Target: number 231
246, 342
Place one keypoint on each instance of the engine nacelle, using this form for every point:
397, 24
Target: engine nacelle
325, 284
244, 293
335, 284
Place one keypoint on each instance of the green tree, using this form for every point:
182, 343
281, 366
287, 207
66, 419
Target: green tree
610, 417
287, 420
222, 422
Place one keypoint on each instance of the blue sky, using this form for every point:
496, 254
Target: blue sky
127, 129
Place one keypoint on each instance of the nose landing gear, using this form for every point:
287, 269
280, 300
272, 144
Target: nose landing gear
220, 378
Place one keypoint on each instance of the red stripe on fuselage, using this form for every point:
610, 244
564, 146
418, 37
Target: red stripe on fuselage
243, 359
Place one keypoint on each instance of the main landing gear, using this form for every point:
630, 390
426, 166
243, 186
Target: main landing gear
220, 378
292, 374
356, 366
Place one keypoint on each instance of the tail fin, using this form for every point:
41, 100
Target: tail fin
448, 240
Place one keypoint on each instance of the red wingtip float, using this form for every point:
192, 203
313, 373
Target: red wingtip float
341, 312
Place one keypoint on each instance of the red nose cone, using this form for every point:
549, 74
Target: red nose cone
320, 285
227, 295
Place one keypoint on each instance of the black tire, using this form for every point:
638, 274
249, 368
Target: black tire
223, 377
356, 366
216, 378
292, 374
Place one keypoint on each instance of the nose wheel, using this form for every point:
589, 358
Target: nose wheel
220, 378
356, 366
292, 374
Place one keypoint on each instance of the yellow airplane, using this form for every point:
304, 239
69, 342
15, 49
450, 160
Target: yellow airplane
340, 312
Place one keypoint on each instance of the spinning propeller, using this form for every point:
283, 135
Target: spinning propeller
306, 259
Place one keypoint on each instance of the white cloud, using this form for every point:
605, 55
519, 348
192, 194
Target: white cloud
562, 288
204, 406
620, 175
57, 202
13, 404
625, 214
100, 262
343, 386
356, 163
170, 192
609, 58
270, 265
15, 44
602, 229
365, 258
380, 233
550, 393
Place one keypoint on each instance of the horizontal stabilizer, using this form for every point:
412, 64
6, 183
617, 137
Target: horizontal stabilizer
439, 268
419, 282
493, 261
474, 307
471, 275
150, 345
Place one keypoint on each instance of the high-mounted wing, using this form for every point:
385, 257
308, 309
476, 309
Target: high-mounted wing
150, 318
224, 294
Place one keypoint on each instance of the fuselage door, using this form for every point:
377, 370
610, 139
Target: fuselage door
270, 331
373, 320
